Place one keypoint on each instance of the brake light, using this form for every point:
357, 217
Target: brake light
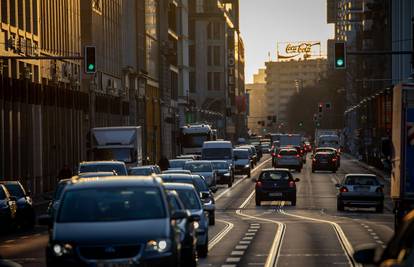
339, 150
334, 159
297, 155
314, 160
258, 184
291, 184
273, 154
379, 190
279, 156
343, 189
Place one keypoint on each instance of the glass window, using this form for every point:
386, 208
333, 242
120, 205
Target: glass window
13, 12
209, 55
216, 31
189, 199
192, 82
194, 140
141, 171
220, 165
210, 81
35, 16
111, 204
177, 163
209, 31
217, 81
28, 17
242, 153
288, 152
20, 14
2, 193
217, 56
361, 180
275, 176
192, 55
198, 167
118, 168
216, 153
4, 9
15, 190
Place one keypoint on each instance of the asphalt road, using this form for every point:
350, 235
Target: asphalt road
311, 234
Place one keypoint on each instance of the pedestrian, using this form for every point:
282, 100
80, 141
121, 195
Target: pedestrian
65, 172
164, 163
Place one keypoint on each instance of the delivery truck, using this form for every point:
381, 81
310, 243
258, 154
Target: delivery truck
402, 175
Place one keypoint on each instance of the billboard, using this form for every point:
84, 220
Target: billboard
298, 50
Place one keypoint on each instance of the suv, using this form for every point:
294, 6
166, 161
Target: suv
289, 158
276, 184
325, 161
103, 166
115, 221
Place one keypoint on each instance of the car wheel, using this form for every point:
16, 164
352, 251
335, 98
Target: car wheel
230, 183
293, 201
212, 218
203, 250
340, 206
258, 202
380, 208
249, 173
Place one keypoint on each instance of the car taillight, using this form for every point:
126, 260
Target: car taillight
314, 160
334, 159
297, 155
279, 156
291, 184
273, 154
379, 190
343, 189
258, 184
301, 151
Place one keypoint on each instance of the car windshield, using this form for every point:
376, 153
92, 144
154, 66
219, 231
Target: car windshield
15, 190
288, 152
200, 184
118, 168
194, 140
361, 180
141, 171
242, 154
274, 176
198, 167
111, 204
216, 153
121, 154
177, 163
189, 199
220, 165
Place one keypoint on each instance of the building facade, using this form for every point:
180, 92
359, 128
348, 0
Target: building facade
258, 114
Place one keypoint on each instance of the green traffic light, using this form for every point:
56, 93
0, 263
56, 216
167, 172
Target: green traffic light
91, 67
340, 62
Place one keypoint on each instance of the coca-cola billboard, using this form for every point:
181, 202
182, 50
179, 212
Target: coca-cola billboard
298, 50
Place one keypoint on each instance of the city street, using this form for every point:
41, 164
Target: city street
275, 234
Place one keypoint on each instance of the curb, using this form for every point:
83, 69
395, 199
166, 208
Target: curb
370, 168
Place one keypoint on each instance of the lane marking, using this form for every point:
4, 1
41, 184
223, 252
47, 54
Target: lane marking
245, 242
237, 253
273, 255
233, 259
241, 247
216, 239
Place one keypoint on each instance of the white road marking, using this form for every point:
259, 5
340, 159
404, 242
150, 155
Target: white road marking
233, 259
248, 238
241, 247
245, 242
216, 239
237, 253
252, 230
250, 234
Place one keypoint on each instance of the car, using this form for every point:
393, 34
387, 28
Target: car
360, 190
142, 170
188, 227
275, 184
258, 148
332, 150
177, 163
8, 209
189, 157
26, 215
103, 166
399, 251
308, 146
242, 161
204, 168
177, 171
206, 193
114, 222
192, 202
55, 199
225, 173
324, 161
252, 152
96, 174
266, 145
289, 158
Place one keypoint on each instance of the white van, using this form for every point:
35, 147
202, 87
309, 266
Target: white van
218, 150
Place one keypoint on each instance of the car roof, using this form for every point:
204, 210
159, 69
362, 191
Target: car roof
360, 174
276, 169
197, 161
102, 162
175, 175
142, 167
9, 182
116, 181
173, 186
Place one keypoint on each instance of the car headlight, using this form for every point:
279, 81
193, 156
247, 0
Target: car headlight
247, 166
160, 246
227, 174
196, 225
208, 202
60, 250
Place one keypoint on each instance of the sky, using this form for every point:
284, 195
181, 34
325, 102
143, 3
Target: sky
264, 23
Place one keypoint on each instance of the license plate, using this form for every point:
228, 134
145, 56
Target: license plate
361, 189
275, 194
113, 264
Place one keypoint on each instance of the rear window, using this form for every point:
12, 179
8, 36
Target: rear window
361, 180
242, 154
288, 153
220, 165
275, 176
118, 168
321, 156
141, 171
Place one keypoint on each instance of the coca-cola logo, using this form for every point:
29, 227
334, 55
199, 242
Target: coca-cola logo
302, 48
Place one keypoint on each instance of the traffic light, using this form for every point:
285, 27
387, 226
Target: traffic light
90, 59
320, 107
301, 124
340, 56
318, 124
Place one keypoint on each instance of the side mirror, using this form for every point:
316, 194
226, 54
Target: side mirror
194, 218
179, 214
204, 195
366, 255
297, 180
214, 189
337, 185
45, 220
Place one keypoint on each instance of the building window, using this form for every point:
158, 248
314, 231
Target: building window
216, 31
209, 55
217, 81
191, 30
20, 14
4, 11
209, 31
192, 82
192, 55
151, 29
217, 57
28, 18
210, 83
35, 17
13, 12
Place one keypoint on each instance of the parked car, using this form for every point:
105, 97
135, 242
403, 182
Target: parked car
177, 163
242, 161
143, 171
115, 221
205, 193
204, 168
103, 166
26, 216
176, 171
324, 161
8, 209
360, 190
192, 202
399, 251
188, 227
289, 158
225, 173
276, 184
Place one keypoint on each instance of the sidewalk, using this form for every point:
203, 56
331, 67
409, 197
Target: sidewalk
380, 173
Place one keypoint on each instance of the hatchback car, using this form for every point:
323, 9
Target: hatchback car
276, 184
332, 150
225, 173
26, 216
204, 168
103, 166
242, 161
325, 161
252, 152
114, 222
8, 209
360, 190
192, 202
289, 158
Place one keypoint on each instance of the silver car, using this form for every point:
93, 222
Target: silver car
204, 168
360, 190
288, 158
